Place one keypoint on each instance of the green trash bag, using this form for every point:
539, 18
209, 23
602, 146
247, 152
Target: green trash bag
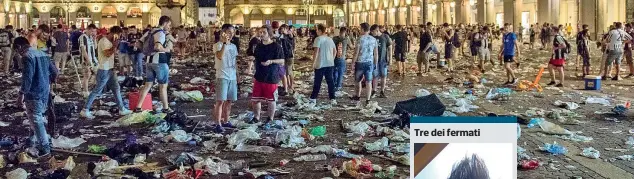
318, 131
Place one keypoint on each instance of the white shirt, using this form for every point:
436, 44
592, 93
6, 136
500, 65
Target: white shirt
226, 67
86, 41
105, 62
616, 38
325, 57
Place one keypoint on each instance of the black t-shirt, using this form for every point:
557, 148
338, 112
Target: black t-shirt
268, 74
132, 39
252, 45
425, 39
400, 41
236, 41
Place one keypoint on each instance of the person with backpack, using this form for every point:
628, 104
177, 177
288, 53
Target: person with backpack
451, 42
558, 59
617, 38
509, 52
6, 37
107, 47
157, 62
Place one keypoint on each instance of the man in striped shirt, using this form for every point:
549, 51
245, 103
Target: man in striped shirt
88, 55
615, 45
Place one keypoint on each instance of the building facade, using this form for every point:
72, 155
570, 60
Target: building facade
207, 15
107, 13
253, 13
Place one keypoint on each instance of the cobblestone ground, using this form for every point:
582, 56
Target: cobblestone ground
605, 133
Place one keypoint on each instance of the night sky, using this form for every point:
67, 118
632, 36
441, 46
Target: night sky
207, 3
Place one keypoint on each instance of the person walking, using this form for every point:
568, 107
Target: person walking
365, 59
343, 43
107, 48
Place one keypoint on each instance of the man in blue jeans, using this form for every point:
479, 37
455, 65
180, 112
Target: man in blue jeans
365, 59
37, 75
157, 68
324, 64
380, 70
106, 48
343, 43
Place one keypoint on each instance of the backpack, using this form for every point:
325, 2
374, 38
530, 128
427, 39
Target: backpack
456, 40
568, 48
148, 43
5, 39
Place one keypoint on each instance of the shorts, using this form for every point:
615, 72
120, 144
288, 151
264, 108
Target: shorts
532, 38
381, 70
484, 54
449, 51
400, 56
289, 63
614, 57
226, 90
422, 57
557, 62
363, 69
586, 59
264, 91
59, 56
509, 59
124, 59
158, 72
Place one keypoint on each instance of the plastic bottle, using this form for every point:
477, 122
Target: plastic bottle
535, 122
310, 158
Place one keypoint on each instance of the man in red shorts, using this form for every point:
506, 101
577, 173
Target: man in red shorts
268, 58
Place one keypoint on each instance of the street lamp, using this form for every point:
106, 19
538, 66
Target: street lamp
308, 4
67, 3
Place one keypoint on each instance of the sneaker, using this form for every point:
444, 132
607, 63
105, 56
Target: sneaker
312, 101
333, 102
228, 125
382, 95
552, 83
616, 78
559, 85
167, 111
124, 112
85, 94
514, 81
355, 98
219, 129
138, 110
86, 114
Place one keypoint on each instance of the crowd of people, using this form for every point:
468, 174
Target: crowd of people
41, 53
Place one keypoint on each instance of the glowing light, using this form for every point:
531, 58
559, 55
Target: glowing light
471, 2
408, 2
267, 10
393, 10
433, 6
289, 11
417, 8
452, 4
245, 10
145, 8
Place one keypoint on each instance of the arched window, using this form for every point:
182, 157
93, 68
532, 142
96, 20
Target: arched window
319, 12
300, 12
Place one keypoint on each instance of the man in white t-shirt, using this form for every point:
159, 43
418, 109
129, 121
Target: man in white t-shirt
324, 57
225, 53
615, 45
106, 48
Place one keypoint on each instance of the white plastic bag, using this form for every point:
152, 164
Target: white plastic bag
67, 143
593, 100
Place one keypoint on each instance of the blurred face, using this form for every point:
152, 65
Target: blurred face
230, 33
343, 33
376, 32
263, 34
133, 31
168, 26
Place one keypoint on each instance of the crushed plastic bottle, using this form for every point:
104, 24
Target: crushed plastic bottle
535, 122
591, 153
310, 158
381, 144
630, 142
554, 148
